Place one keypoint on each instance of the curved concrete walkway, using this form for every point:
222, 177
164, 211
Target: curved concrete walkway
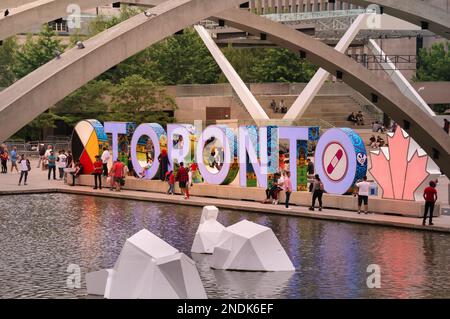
33, 94
23, 18
414, 11
423, 128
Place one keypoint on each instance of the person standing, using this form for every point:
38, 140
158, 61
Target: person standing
25, 167
62, 163
317, 192
98, 169
363, 195
182, 178
117, 172
14, 160
4, 156
46, 155
51, 159
163, 159
430, 196
288, 188
69, 159
41, 150
105, 159
189, 184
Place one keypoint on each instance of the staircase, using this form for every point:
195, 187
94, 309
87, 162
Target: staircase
333, 109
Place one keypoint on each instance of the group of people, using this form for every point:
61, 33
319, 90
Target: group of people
356, 119
280, 182
278, 108
377, 127
377, 142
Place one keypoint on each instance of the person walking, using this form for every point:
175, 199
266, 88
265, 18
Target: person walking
98, 169
317, 193
62, 163
4, 156
170, 178
14, 160
51, 159
25, 167
105, 159
182, 178
430, 196
287, 188
363, 195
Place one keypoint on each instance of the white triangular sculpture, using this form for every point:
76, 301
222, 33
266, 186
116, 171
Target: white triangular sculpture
208, 232
149, 268
249, 246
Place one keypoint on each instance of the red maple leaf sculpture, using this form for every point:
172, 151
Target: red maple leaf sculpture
396, 176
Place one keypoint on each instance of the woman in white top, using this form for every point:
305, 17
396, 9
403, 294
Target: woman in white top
24, 165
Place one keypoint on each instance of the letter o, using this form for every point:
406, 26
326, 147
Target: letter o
340, 159
145, 129
230, 166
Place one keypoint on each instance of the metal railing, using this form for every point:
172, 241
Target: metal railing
302, 16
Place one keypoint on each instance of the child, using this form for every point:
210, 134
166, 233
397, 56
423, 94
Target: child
147, 167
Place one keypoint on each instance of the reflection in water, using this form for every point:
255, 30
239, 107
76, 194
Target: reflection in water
42, 234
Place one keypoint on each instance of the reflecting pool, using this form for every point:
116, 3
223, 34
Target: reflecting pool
41, 235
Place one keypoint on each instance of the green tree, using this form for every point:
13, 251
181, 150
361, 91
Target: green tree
35, 53
434, 63
140, 100
281, 65
34, 129
8, 59
183, 59
243, 61
89, 101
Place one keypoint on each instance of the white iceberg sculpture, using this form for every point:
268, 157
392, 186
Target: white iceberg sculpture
249, 246
208, 232
148, 268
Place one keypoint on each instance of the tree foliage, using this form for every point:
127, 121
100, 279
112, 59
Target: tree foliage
281, 65
434, 63
140, 100
8, 57
36, 52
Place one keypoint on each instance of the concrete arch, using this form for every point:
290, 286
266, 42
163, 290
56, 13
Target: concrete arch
8, 4
424, 129
33, 94
35, 13
414, 11
30, 96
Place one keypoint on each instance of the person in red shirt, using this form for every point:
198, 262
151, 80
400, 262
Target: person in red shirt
430, 196
98, 170
117, 175
170, 178
183, 178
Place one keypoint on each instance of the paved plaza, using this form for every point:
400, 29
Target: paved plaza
38, 183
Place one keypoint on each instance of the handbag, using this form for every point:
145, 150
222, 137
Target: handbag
108, 180
28, 165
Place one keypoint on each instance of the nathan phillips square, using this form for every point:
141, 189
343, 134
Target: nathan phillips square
203, 150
